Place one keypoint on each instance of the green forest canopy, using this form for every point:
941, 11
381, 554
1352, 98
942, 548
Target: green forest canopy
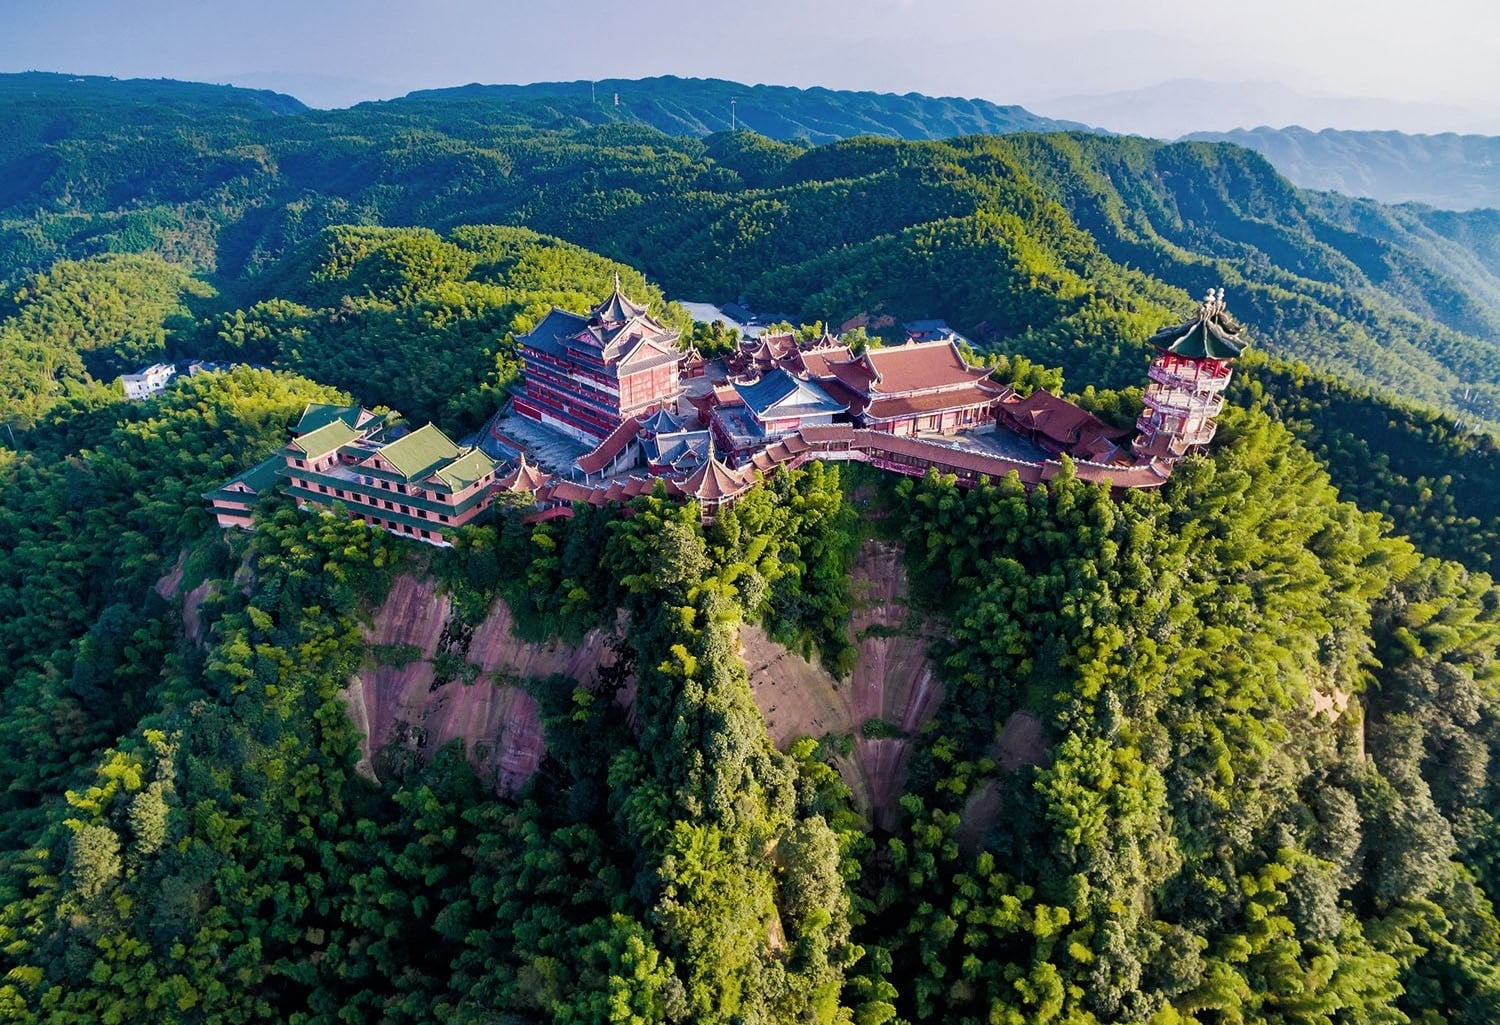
1269, 721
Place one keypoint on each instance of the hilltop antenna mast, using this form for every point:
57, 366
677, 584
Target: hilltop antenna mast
733, 120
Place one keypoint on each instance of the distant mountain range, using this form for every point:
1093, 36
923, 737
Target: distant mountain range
1169, 110
1447, 171
702, 106
1456, 172
102, 94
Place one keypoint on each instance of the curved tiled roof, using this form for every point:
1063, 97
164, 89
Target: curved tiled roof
420, 452
713, 481
525, 477
662, 422
781, 394
468, 468
915, 366
331, 436
610, 448
1211, 334
616, 309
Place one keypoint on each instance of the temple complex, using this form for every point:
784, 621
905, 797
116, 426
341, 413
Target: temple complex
585, 374
611, 379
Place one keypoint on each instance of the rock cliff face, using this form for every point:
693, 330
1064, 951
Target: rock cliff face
892, 684
432, 682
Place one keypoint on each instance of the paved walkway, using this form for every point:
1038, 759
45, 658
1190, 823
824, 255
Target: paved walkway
991, 438
550, 449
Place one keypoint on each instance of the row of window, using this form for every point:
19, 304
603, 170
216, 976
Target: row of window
405, 529
378, 503
558, 406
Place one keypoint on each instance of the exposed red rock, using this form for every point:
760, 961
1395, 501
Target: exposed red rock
497, 720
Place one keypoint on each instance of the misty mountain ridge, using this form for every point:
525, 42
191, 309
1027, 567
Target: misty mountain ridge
703, 106
1456, 172
1171, 109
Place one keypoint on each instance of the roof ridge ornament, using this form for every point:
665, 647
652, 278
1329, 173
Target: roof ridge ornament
1213, 304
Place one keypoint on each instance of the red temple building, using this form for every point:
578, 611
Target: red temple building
769, 408
919, 387
1059, 426
586, 373
1188, 377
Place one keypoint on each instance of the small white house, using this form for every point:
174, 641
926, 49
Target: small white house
148, 382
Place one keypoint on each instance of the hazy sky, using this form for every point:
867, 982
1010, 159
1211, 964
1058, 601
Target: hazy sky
334, 52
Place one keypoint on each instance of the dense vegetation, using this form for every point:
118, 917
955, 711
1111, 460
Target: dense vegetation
1201, 845
1268, 721
1236, 822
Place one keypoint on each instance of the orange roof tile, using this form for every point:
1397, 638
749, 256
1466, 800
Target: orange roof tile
608, 450
525, 477
713, 481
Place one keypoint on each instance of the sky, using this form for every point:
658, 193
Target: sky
1432, 64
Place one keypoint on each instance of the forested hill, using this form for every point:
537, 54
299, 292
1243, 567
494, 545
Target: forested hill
1255, 776
108, 101
1026, 241
702, 106
1449, 171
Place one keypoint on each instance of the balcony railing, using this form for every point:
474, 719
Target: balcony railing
1180, 404
1188, 378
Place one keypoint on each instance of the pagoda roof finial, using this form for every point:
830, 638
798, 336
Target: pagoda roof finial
1211, 334
616, 309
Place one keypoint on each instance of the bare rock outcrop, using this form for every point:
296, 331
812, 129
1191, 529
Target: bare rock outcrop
892, 683
431, 681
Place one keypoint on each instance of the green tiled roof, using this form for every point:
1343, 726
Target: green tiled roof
325, 439
466, 469
321, 414
262, 475
1211, 334
259, 478
420, 452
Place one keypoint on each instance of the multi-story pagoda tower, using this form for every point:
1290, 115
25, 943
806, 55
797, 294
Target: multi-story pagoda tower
1188, 378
